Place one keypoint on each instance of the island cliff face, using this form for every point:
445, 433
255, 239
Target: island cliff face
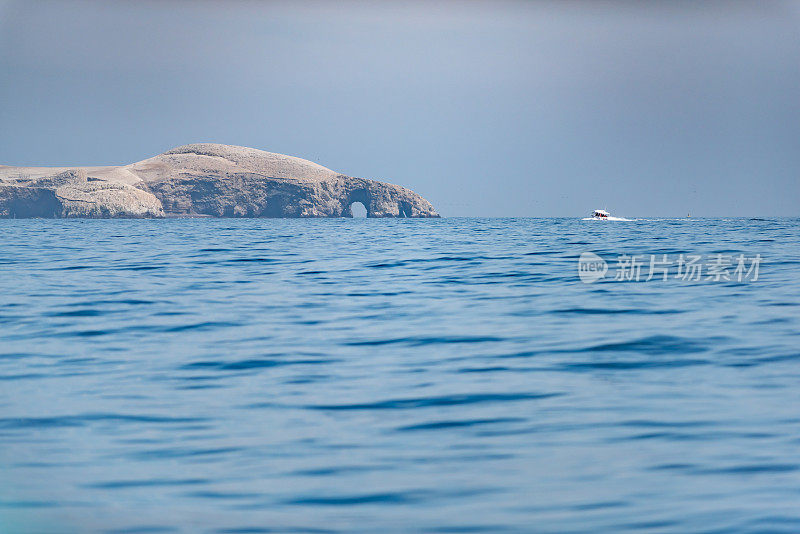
201, 180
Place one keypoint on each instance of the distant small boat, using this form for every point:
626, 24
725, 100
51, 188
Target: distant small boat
603, 215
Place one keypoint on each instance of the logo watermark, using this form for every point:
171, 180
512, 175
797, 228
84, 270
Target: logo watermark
591, 267
662, 267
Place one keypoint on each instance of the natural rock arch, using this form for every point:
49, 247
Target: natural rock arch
360, 196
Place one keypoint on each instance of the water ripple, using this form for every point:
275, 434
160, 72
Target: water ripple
426, 402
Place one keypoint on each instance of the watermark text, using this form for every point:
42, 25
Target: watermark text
663, 267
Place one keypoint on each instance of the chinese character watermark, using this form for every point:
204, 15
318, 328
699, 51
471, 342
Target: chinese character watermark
663, 267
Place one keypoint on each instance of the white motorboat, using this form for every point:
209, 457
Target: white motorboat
603, 215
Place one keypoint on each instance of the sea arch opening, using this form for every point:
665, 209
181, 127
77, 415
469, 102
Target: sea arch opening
357, 204
358, 210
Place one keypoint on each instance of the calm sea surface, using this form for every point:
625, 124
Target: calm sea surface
449, 375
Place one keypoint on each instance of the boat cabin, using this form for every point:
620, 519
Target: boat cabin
600, 214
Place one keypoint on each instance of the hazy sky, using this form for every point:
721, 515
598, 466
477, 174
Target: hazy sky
485, 108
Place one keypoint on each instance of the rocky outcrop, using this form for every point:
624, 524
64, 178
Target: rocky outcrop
202, 180
71, 194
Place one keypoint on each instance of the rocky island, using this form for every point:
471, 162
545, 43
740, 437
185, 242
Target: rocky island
201, 180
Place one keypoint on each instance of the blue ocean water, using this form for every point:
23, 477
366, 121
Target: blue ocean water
449, 375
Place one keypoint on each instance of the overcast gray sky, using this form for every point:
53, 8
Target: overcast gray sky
485, 108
